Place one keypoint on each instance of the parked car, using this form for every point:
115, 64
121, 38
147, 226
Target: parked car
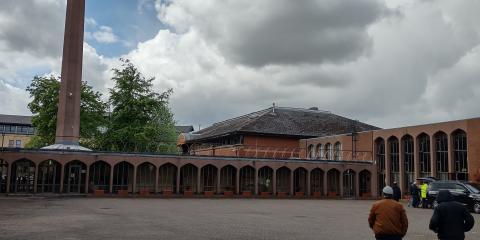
428, 180
464, 192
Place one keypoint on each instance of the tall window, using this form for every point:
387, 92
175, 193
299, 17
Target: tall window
424, 155
441, 147
460, 155
311, 152
408, 158
394, 158
337, 151
380, 159
18, 143
328, 151
319, 151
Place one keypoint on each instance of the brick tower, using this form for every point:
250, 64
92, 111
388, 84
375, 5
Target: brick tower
68, 117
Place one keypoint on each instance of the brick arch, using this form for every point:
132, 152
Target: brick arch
365, 184
283, 180
228, 178
49, 177
300, 180
188, 178
99, 176
23, 175
333, 182
247, 179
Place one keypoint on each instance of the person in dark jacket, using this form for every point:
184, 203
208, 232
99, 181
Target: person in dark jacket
450, 219
397, 193
414, 195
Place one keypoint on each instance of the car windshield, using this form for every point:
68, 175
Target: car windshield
474, 187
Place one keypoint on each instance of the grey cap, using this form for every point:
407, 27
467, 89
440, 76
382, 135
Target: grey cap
388, 190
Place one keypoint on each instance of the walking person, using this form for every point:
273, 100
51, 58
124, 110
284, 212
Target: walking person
397, 193
450, 219
423, 194
414, 195
387, 218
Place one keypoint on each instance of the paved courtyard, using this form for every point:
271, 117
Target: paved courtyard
90, 218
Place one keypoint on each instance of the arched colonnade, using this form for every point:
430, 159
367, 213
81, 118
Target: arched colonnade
87, 173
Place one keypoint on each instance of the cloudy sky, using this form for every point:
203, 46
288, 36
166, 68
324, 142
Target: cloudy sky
386, 62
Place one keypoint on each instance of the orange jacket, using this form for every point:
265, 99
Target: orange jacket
388, 217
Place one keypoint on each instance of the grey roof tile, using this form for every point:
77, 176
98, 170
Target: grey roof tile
294, 122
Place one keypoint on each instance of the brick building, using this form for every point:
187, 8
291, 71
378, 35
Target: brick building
447, 150
274, 152
270, 133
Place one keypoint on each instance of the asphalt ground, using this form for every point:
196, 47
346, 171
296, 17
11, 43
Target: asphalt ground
135, 218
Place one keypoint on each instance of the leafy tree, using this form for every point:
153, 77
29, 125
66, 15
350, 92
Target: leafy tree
141, 120
44, 105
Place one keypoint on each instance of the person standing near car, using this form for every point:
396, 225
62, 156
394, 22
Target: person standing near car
397, 193
387, 218
423, 194
450, 220
414, 195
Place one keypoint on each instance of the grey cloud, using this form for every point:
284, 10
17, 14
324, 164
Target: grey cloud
33, 26
283, 31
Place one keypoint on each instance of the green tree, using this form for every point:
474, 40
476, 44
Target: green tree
141, 120
44, 105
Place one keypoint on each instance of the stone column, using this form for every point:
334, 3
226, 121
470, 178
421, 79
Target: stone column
199, 181
341, 182
292, 183
433, 156
62, 178
111, 178
218, 180
134, 179
451, 159
325, 184
68, 117
35, 180
178, 180
388, 164
87, 178
274, 183
401, 155
157, 176
357, 184
374, 184
309, 190
9, 177
237, 182
256, 181
416, 158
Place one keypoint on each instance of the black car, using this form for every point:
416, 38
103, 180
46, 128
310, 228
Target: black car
463, 192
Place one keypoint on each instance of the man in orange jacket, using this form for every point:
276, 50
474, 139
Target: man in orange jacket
388, 218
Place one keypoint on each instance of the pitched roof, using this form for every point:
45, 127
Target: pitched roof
184, 129
15, 119
281, 121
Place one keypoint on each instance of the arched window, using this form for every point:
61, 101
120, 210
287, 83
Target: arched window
337, 151
380, 159
319, 151
328, 151
311, 151
408, 161
460, 155
424, 155
394, 159
441, 148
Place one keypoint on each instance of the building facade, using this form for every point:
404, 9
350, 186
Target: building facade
16, 131
269, 133
30, 171
448, 150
